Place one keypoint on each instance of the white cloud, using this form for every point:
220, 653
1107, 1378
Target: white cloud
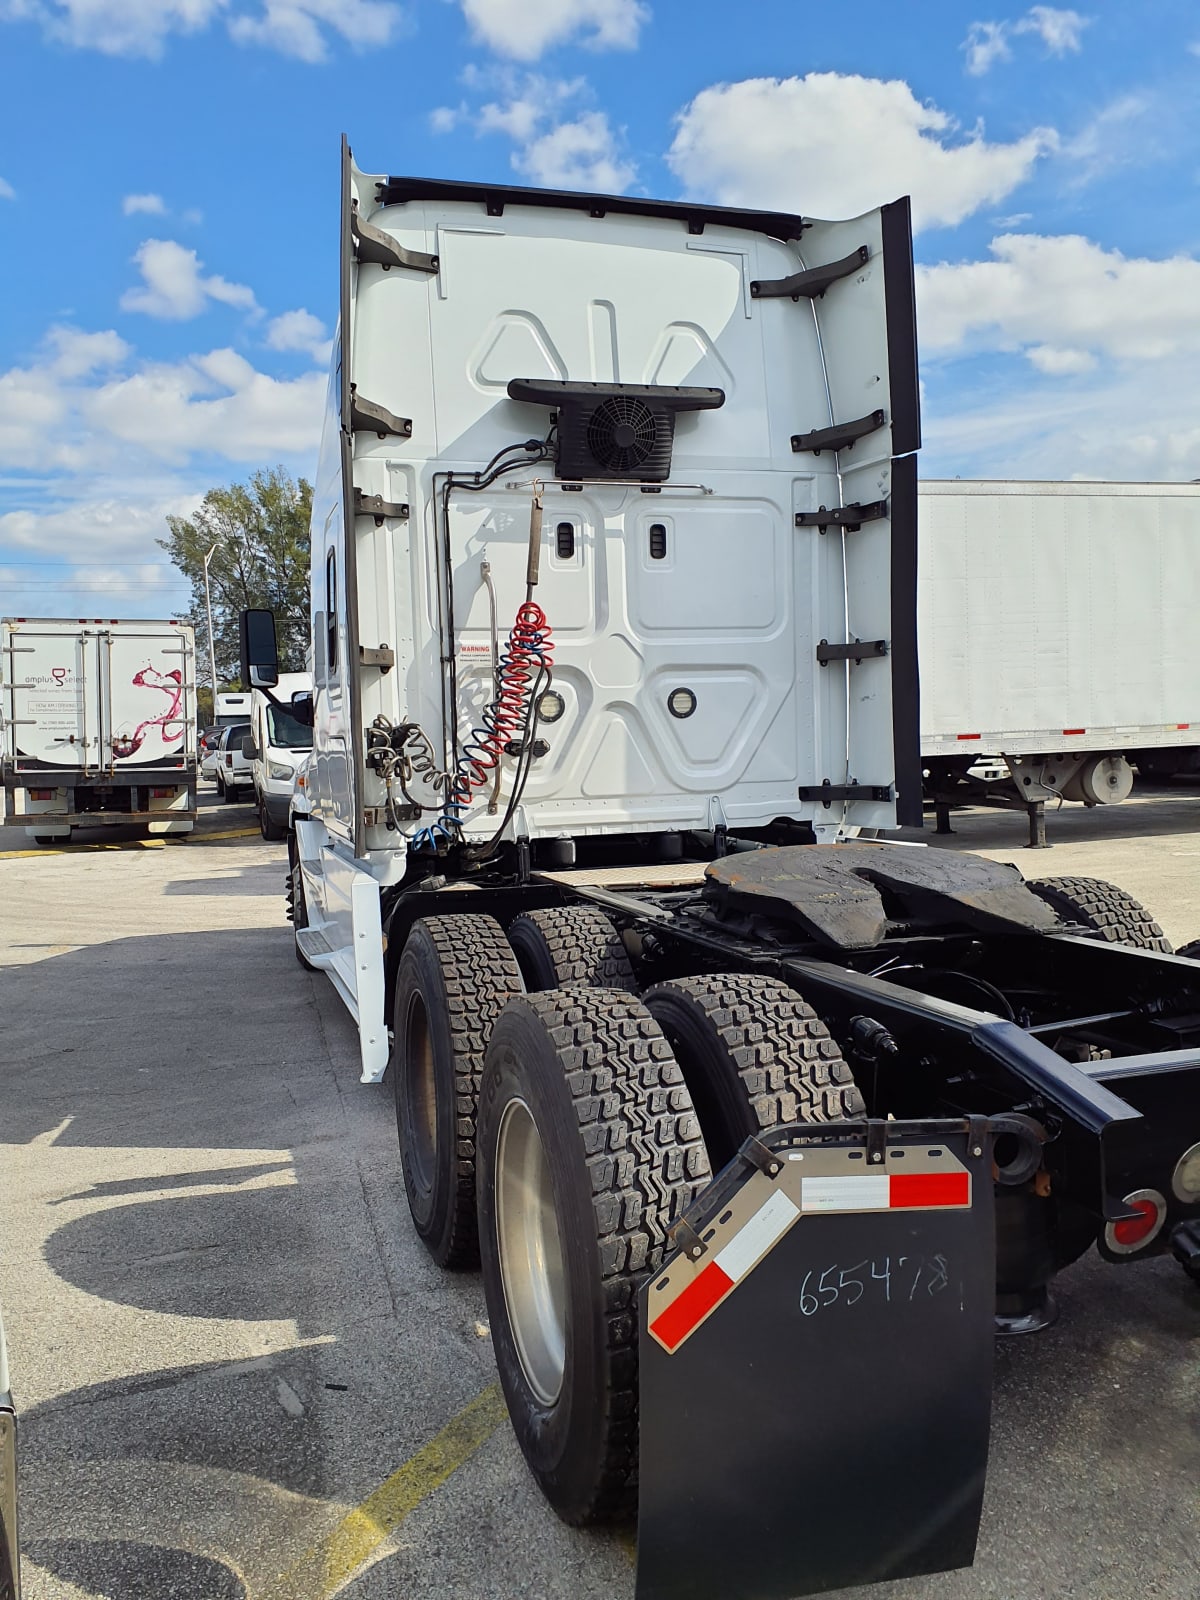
121, 27
553, 149
834, 145
1123, 133
142, 27
83, 405
526, 29
1060, 31
299, 330
1061, 300
576, 155
7, 192
298, 27
173, 287
985, 44
988, 42
151, 205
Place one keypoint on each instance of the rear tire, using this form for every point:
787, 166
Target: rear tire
575, 1216
753, 1055
565, 945
1104, 910
1190, 951
456, 975
229, 793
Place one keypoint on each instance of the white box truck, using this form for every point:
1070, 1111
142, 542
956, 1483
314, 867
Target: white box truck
751, 1123
98, 724
1057, 631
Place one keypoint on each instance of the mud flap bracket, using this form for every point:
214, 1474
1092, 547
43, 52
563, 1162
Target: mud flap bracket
815, 1389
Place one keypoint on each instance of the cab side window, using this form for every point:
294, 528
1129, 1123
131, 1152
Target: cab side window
331, 623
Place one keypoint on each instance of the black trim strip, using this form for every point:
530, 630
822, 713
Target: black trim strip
899, 298
494, 197
906, 683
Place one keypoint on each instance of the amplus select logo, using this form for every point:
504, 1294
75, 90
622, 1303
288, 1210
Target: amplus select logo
59, 677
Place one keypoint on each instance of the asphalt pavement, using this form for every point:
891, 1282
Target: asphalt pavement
239, 1376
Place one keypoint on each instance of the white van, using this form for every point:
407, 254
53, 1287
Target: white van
280, 743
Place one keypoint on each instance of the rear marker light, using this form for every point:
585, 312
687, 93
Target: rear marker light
1069, 733
1185, 1180
1131, 1234
551, 706
41, 794
162, 794
963, 736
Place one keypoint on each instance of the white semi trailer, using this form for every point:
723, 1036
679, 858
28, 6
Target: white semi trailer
98, 724
752, 1124
1057, 632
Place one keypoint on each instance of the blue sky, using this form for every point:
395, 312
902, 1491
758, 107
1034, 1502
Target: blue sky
168, 218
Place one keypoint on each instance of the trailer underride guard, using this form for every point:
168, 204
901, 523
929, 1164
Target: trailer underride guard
718, 1088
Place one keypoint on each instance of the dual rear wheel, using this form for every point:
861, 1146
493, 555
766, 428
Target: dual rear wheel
556, 1126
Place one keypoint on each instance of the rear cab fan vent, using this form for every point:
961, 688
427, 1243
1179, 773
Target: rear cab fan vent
621, 431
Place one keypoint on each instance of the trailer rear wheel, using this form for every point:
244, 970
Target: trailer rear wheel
563, 945
1191, 951
753, 1055
455, 976
1108, 912
589, 1150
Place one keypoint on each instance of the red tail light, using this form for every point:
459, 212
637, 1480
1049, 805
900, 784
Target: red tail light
1134, 1233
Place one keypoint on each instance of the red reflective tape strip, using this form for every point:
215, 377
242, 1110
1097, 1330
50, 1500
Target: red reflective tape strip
672, 1326
1070, 732
969, 736
1181, 726
912, 1189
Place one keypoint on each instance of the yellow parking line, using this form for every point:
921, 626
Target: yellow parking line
334, 1560
233, 833
77, 849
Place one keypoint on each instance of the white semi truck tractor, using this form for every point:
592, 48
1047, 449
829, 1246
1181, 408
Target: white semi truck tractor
756, 1125
98, 723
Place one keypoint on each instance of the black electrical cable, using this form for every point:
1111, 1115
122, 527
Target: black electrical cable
526, 453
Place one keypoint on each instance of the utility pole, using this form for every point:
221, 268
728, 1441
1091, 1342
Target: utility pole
212, 654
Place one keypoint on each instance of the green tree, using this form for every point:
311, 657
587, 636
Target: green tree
258, 533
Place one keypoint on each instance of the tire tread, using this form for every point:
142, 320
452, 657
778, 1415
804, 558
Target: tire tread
1103, 909
646, 1162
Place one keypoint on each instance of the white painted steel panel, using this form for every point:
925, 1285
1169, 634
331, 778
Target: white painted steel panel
1044, 607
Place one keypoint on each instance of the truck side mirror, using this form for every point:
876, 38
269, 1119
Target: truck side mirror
302, 707
259, 651
249, 748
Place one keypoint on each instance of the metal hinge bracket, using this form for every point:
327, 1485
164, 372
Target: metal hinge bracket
374, 505
372, 244
858, 651
828, 793
367, 416
839, 437
383, 658
849, 517
813, 281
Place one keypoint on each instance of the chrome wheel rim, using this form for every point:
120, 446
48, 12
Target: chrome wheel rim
530, 1252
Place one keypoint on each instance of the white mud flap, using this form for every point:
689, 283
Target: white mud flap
816, 1366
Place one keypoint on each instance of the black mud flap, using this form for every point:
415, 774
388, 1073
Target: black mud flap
816, 1366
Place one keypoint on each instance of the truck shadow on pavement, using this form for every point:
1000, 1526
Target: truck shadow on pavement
212, 1282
